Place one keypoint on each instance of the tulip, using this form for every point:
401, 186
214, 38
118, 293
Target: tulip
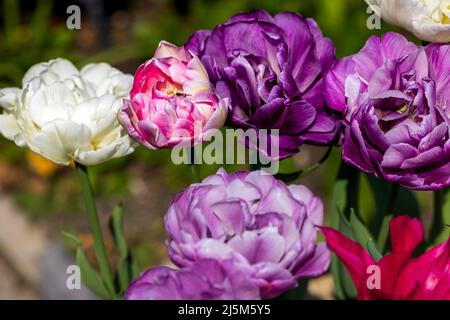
254, 219
271, 69
172, 102
403, 277
394, 98
68, 115
429, 20
206, 280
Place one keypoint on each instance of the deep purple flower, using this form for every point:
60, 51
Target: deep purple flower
253, 219
272, 69
206, 280
395, 96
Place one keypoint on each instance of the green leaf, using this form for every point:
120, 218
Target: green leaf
390, 200
342, 281
344, 225
124, 274
445, 233
116, 225
135, 271
366, 201
73, 238
338, 202
90, 277
360, 233
376, 255
345, 198
384, 233
344, 277
336, 271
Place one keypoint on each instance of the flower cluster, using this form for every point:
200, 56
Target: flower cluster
66, 114
247, 235
394, 97
273, 78
255, 226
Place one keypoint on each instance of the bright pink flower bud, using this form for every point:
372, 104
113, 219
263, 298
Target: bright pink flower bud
172, 102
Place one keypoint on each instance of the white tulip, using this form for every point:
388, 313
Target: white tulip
67, 115
429, 20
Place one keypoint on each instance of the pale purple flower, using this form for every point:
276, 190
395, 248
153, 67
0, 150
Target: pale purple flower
206, 280
253, 219
395, 99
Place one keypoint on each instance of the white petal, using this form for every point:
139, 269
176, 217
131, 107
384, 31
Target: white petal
427, 30
50, 103
9, 128
60, 140
118, 149
99, 114
9, 98
96, 72
107, 80
63, 68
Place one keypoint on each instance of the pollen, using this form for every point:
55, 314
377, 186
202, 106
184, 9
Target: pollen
403, 109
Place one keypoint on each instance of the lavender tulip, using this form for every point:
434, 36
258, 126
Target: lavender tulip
394, 96
206, 280
271, 69
254, 220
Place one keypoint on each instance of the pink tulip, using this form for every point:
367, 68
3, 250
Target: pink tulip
426, 277
172, 102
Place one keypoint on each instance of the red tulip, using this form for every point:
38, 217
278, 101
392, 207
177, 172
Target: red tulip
400, 275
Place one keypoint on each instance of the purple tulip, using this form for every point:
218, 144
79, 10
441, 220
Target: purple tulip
395, 96
271, 69
254, 220
206, 280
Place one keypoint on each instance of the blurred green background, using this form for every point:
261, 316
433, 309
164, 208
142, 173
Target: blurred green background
125, 33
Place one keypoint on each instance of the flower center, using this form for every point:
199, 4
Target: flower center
403, 108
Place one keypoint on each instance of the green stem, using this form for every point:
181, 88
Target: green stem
437, 224
383, 232
352, 176
288, 177
195, 170
395, 189
195, 173
100, 251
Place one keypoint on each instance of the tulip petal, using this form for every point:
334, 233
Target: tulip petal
396, 154
317, 264
406, 234
300, 116
232, 216
61, 140
353, 255
428, 276
268, 246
